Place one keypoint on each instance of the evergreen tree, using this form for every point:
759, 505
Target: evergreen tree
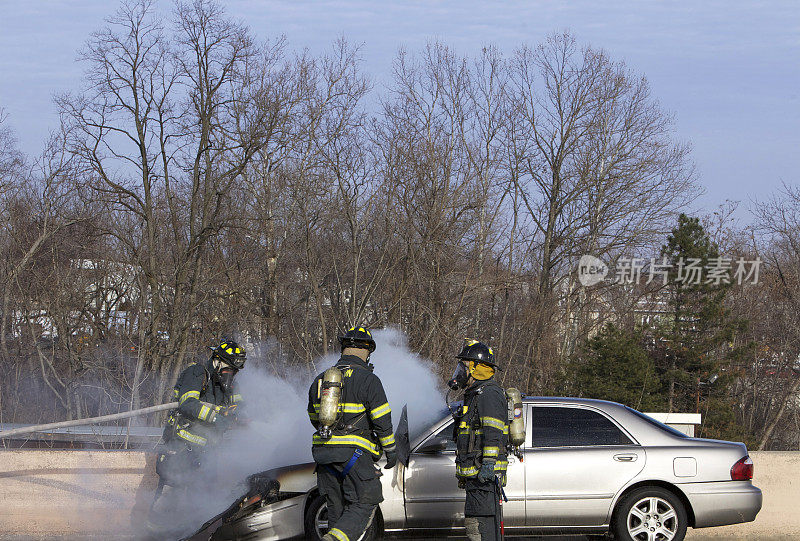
696, 342
614, 365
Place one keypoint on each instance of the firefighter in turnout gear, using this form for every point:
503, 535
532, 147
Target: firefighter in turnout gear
481, 434
207, 407
350, 439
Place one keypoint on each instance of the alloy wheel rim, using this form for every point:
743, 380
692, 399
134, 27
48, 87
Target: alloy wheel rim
321, 520
652, 519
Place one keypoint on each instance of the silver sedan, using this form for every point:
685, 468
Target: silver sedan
588, 466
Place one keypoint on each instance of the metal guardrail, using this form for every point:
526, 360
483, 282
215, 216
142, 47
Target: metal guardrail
102, 436
84, 433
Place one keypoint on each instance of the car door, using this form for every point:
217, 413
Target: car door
433, 499
578, 460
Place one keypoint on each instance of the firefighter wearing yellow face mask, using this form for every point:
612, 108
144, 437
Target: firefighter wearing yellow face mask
481, 434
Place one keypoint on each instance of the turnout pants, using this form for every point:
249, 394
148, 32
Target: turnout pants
482, 511
177, 467
351, 498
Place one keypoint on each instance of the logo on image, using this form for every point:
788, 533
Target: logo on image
591, 270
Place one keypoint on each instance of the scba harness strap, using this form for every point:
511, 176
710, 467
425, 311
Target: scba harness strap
347, 467
354, 427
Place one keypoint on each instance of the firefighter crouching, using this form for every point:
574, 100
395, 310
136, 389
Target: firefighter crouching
481, 434
348, 408
207, 408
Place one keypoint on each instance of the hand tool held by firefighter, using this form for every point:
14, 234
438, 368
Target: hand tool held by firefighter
330, 391
516, 424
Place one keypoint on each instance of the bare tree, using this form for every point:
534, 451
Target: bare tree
166, 126
595, 166
779, 220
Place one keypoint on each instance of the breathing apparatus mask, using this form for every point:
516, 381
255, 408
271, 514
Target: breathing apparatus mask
224, 375
459, 381
476, 360
467, 369
460, 377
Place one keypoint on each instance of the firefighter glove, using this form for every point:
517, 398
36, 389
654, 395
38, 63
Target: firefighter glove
224, 422
391, 460
486, 473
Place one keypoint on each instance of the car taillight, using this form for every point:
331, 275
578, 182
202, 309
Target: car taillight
742, 470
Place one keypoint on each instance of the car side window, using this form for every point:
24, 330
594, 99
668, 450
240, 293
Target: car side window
446, 432
574, 427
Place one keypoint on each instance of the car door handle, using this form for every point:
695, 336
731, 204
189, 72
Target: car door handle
628, 457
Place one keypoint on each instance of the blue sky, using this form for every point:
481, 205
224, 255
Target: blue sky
729, 71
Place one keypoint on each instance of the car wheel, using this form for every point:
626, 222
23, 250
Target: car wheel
650, 514
316, 521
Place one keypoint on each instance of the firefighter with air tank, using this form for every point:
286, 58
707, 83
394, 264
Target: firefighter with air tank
487, 426
348, 407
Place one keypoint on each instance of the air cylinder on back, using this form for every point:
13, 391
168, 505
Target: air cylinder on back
329, 395
516, 424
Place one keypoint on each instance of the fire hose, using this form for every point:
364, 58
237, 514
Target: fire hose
86, 421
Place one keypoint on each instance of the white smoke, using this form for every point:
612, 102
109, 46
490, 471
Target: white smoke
407, 378
276, 430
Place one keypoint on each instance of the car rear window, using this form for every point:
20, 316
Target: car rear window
658, 424
574, 427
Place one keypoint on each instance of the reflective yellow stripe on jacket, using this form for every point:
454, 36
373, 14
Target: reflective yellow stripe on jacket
380, 411
189, 394
352, 441
388, 441
493, 422
349, 407
346, 407
465, 431
205, 409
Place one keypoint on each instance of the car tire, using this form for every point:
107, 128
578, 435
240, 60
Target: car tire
634, 519
316, 519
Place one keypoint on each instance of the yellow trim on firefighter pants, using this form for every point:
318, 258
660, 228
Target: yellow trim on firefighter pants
471, 471
191, 438
339, 534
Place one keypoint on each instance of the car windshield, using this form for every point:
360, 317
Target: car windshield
416, 431
658, 424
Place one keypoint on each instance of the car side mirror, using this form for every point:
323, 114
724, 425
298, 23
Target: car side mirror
436, 445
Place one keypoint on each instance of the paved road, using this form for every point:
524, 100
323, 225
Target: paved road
521, 538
